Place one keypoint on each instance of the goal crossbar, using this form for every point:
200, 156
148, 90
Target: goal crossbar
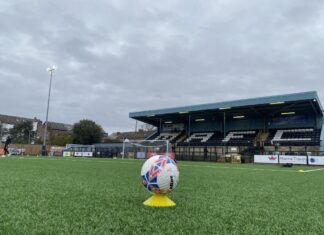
146, 145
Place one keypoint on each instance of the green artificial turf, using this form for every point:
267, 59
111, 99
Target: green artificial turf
101, 196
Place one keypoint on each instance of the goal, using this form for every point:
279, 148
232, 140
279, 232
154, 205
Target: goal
143, 149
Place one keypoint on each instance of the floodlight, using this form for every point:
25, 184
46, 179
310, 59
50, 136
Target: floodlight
277, 102
288, 113
52, 68
238, 117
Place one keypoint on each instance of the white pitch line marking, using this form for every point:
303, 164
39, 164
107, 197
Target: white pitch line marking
239, 168
320, 169
127, 161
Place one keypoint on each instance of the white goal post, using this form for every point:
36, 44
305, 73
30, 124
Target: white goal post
142, 149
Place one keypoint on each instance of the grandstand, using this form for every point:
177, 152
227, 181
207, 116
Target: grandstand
289, 124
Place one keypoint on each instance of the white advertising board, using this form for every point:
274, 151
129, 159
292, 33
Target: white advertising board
67, 154
316, 160
87, 154
301, 160
273, 159
78, 154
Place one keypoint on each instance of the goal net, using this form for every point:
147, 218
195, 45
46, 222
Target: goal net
143, 149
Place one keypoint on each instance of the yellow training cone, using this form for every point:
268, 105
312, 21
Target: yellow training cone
159, 200
302, 171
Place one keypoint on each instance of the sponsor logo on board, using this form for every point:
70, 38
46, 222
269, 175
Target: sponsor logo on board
272, 158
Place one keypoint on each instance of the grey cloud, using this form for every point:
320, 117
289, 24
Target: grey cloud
120, 56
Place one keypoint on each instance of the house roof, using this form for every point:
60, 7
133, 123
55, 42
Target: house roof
13, 120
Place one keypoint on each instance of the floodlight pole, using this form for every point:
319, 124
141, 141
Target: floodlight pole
50, 70
224, 135
189, 134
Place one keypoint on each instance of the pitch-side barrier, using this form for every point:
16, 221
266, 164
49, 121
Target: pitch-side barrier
293, 159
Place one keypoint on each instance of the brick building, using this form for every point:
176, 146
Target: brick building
7, 122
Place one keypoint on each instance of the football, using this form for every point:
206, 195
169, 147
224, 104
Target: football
160, 174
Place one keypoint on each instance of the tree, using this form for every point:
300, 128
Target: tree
147, 127
4, 132
87, 132
22, 132
61, 139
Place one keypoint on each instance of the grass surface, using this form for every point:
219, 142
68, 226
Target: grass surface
98, 196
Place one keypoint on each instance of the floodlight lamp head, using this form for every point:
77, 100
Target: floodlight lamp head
52, 68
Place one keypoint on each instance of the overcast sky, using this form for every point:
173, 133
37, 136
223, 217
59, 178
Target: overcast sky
116, 56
